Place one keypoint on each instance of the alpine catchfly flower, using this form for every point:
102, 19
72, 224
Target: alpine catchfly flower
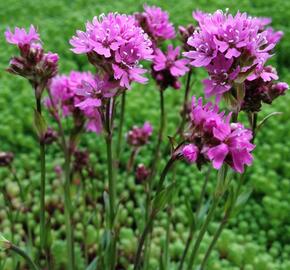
32, 63
168, 67
213, 138
116, 45
231, 47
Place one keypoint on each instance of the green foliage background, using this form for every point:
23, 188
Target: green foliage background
259, 237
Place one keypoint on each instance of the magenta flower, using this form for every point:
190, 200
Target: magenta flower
228, 45
167, 67
20, 37
93, 90
221, 76
190, 152
116, 45
213, 138
139, 136
156, 24
79, 94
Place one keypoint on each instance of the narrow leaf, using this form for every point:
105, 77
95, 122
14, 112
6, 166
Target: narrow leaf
163, 197
265, 119
93, 264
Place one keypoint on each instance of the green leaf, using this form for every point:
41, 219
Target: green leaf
39, 124
163, 197
190, 213
265, 119
202, 212
230, 199
4, 243
93, 265
243, 197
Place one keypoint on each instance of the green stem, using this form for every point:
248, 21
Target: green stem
112, 182
67, 196
121, 124
24, 255
202, 233
144, 234
192, 226
43, 232
221, 226
150, 216
156, 157
184, 107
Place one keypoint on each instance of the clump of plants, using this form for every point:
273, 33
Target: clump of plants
122, 49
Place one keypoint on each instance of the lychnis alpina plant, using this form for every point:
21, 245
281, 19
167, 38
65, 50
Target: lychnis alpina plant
38, 68
233, 49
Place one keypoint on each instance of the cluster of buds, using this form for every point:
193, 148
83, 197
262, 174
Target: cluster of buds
167, 67
185, 33
33, 63
141, 173
139, 136
213, 138
81, 160
49, 136
6, 158
259, 90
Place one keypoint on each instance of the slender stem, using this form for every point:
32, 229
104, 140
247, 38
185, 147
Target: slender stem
145, 232
151, 215
67, 196
214, 240
24, 255
192, 226
68, 213
222, 225
121, 124
154, 165
112, 182
202, 233
184, 107
156, 157
43, 232
132, 158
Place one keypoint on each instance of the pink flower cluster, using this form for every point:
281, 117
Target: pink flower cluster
116, 45
139, 136
168, 67
80, 93
33, 63
228, 45
212, 137
156, 24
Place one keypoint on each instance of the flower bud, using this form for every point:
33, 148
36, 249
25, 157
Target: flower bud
6, 158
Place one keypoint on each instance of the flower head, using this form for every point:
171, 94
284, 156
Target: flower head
168, 67
229, 45
213, 138
139, 136
142, 173
79, 94
115, 44
262, 88
33, 63
190, 152
156, 24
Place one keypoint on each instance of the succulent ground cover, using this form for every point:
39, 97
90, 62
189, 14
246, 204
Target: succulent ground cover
257, 235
